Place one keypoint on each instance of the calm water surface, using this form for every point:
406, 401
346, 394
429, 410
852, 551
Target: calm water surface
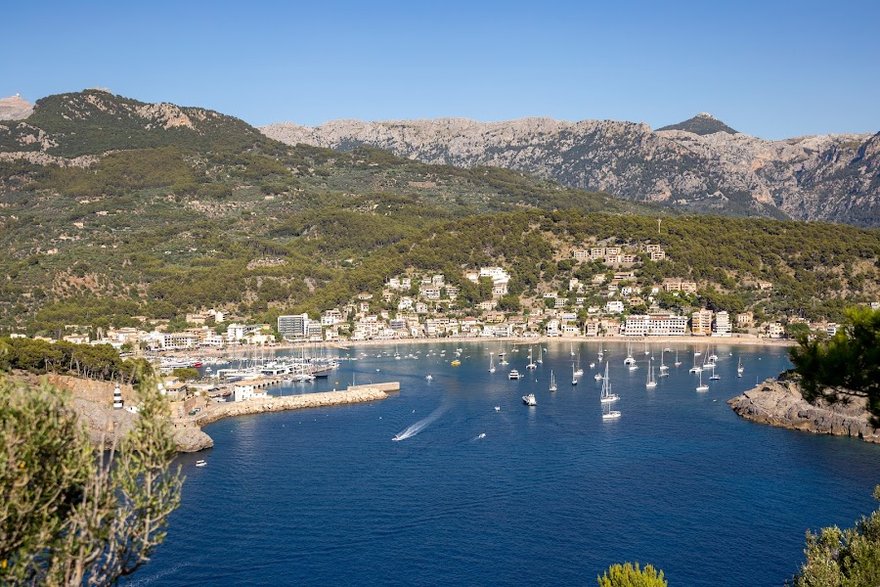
551, 494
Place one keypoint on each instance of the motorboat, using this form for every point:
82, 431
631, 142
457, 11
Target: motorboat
514, 374
201, 463
530, 400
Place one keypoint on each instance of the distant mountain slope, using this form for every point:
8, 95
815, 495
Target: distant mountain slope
96, 121
831, 177
701, 124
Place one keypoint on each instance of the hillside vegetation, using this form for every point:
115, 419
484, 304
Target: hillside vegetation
169, 219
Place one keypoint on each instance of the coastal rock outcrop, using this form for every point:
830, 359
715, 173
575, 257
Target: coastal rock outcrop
191, 438
780, 403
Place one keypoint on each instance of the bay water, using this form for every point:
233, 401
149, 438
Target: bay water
550, 494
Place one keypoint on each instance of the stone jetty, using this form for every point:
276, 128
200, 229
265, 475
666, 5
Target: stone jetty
191, 438
780, 403
352, 395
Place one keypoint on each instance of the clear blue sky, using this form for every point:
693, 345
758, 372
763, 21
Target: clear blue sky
769, 68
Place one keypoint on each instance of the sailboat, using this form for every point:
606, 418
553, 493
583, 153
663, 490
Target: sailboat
579, 372
664, 368
553, 386
491, 363
740, 368
696, 368
647, 352
629, 360
651, 383
571, 348
606, 396
715, 376
677, 363
574, 379
713, 357
702, 387
531, 364
540, 355
608, 413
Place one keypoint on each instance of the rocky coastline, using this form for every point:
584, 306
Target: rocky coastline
780, 403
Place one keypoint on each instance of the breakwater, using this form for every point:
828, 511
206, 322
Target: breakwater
190, 437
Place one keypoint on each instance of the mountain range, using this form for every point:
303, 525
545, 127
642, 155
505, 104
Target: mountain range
699, 165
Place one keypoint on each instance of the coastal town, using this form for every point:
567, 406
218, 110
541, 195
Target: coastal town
615, 301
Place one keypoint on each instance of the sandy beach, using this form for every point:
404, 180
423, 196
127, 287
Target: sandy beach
670, 341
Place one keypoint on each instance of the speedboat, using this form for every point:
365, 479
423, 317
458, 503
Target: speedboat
429, 377
530, 400
514, 374
201, 463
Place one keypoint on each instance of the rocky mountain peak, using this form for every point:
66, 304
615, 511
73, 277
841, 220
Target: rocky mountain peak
15, 108
701, 124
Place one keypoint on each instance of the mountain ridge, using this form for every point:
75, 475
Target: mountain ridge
821, 177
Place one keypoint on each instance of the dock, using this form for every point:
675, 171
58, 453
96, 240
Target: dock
352, 395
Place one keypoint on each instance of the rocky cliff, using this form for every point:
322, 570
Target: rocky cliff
15, 108
780, 403
700, 164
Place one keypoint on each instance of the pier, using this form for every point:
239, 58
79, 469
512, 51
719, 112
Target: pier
352, 395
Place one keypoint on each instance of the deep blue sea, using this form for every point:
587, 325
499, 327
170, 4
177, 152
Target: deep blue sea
550, 495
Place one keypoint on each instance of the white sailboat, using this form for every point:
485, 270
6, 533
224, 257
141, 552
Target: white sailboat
715, 376
571, 348
553, 386
608, 413
540, 355
696, 368
629, 360
664, 368
491, 363
702, 387
531, 366
579, 372
677, 363
740, 368
574, 379
651, 383
606, 396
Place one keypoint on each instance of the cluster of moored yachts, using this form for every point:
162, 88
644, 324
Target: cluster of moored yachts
607, 398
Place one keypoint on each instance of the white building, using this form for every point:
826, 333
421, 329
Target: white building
722, 323
659, 324
614, 307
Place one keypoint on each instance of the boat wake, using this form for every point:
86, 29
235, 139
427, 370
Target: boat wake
414, 429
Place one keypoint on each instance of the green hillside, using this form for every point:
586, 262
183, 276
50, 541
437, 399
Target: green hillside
177, 219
